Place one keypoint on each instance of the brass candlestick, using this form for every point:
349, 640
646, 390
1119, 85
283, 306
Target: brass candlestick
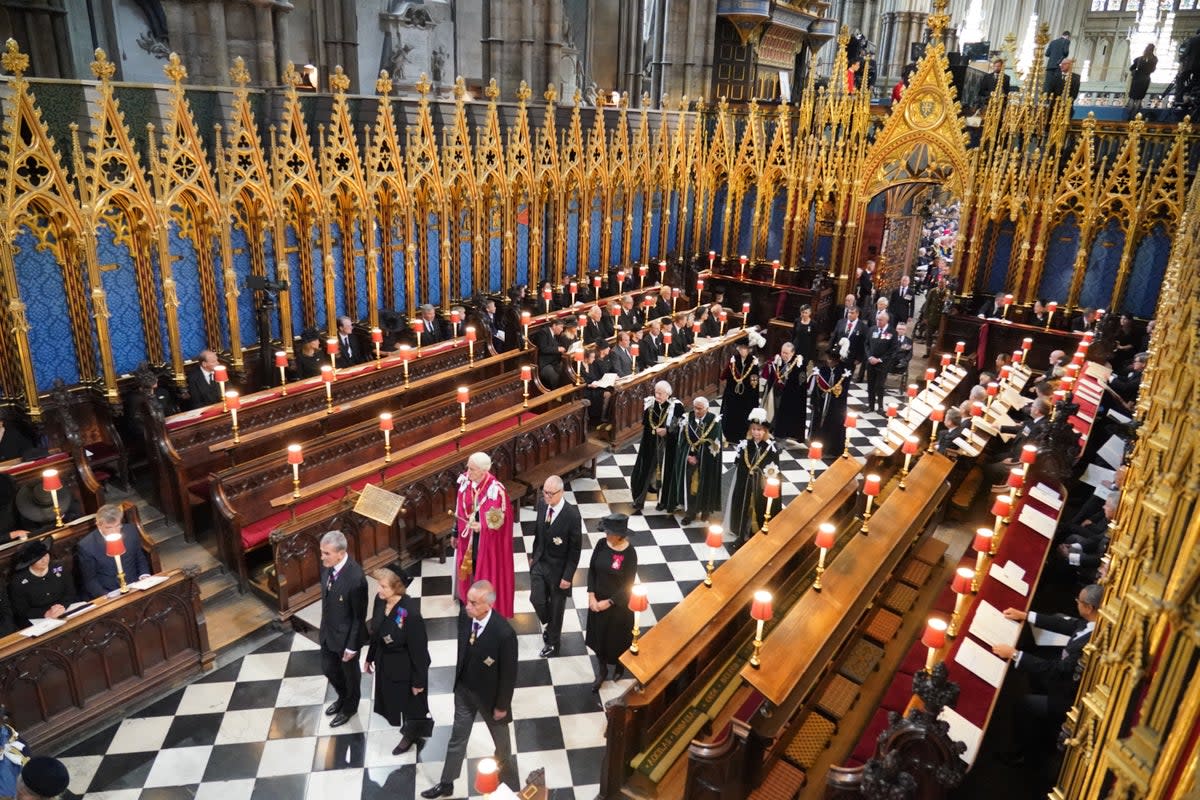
866, 514
378, 357
633, 646
767, 516
58, 520
820, 570
121, 575
960, 605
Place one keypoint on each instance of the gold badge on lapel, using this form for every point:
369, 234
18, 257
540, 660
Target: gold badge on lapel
489, 661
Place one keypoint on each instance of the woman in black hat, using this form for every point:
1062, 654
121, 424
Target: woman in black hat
35, 507
308, 357
37, 589
398, 654
610, 580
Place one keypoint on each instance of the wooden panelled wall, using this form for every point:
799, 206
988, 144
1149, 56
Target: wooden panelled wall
137, 244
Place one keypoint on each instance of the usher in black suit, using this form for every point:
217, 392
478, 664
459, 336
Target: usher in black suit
343, 615
554, 558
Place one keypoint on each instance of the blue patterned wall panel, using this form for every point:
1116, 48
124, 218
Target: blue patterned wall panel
635, 238
746, 234
338, 248
399, 278
716, 235
778, 223
523, 247
362, 299
119, 278
1103, 262
161, 306
495, 264
192, 337
248, 323
572, 237
1149, 266
293, 265
618, 234
318, 268
673, 228
1004, 246
655, 226
595, 256
40, 282
434, 264
1060, 261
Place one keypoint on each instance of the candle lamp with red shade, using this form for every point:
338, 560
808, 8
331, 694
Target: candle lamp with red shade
714, 540
983, 548
742, 266
525, 318
959, 349
935, 416
1001, 508
377, 343
635, 351
930, 374
851, 424
406, 355
961, 585
770, 491
52, 483
774, 270
1016, 479
328, 377
114, 545
871, 487
221, 376
1051, 307
526, 377
464, 397
295, 457
760, 612
386, 425
912, 391
723, 316
910, 447
455, 318
233, 402
281, 362
826, 532
934, 638
745, 313
418, 326
699, 290
815, 451
638, 602
674, 298
487, 776
469, 332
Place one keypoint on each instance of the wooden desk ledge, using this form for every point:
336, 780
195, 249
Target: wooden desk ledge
343, 479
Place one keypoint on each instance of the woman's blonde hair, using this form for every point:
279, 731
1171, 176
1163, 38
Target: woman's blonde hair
387, 576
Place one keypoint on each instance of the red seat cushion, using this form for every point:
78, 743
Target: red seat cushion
865, 749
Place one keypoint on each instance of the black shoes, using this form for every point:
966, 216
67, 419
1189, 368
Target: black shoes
549, 650
339, 719
438, 790
687, 521
406, 745
333, 708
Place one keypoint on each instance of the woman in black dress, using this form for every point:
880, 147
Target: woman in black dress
754, 460
829, 390
804, 336
741, 376
38, 590
610, 580
786, 400
398, 654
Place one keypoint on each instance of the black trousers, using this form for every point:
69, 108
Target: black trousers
345, 677
549, 601
876, 380
466, 707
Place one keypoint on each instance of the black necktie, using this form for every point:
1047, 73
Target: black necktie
549, 515
332, 578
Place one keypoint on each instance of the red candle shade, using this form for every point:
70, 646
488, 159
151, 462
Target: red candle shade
1008, 298
695, 327
220, 374
581, 320
648, 301
1078, 359
1018, 356
945, 360
417, 325
674, 292
771, 488
327, 373
913, 389
280, 358
406, 352
615, 311
743, 260
938, 413
851, 419
775, 264
526, 373
816, 450
935, 633
993, 389
662, 266
376, 336
746, 307
723, 316
385, 422
1005, 371
1067, 383
960, 347
595, 281
470, 333
977, 409
1059, 396
635, 350
892, 410
487, 776
871, 485
573, 287
962, 580
464, 394
642, 269
454, 316
1072, 370
699, 287
620, 275
712, 254
51, 481
295, 454
1052, 306
826, 532
1027, 343
667, 337
638, 599
577, 355
983, 540
331, 346
547, 293
525, 315
930, 373
1029, 454
760, 609
233, 401
1002, 506
1016, 478
114, 545
910, 446
715, 537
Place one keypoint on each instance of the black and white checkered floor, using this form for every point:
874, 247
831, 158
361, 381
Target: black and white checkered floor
254, 728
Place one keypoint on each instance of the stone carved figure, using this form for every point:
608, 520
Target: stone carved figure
401, 55
437, 63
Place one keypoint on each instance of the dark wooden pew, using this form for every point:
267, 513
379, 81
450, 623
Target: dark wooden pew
251, 498
86, 493
1002, 337
429, 490
100, 661
781, 296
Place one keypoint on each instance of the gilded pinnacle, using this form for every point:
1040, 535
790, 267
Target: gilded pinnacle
102, 68
423, 86
523, 92
238, 72
460, 89
339, 81
492, 90
14, 61
383, 85
175, 70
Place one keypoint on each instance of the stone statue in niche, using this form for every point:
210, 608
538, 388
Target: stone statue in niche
401, 55
154, 41
416, 38
437, 64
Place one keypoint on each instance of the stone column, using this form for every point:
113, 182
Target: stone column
264, 29
219, 38
554, 44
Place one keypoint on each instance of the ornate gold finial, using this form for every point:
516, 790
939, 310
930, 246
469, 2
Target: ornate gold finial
339, 81
623, 102
683, 103
645, 99
102, 68
938, 20
14, 61
238, 73
423, 86
551, 94
844, 36
577, 97
383, 85
460, 89
492, 90
291, 78
175, 70
523, 92
665, 102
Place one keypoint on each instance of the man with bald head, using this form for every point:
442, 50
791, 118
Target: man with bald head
484, 680
557, 540
1062, 81
202, 382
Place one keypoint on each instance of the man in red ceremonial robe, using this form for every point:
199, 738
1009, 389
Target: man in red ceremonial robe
483, 544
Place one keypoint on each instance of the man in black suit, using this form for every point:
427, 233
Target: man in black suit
681, 337
550, 353
343, 612
880, 348
557, 541
1056, 674
904, 350
629, 320
1086, 321
900, 303
995, 81
431, 327
484, 680
620, 357
866, 285
1062, 81
593, 329
202, 383
98, 571
652, 345
348, 349
1128, 385
852, 328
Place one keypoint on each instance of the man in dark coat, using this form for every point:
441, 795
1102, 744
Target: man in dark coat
484, 681
693, 482
343, 631
549, 353
432, 331
98, 571
853, 329
880, 349
1062, 81
202, 383
1057, 50
995, 81
557, 542
900, 303
349, 352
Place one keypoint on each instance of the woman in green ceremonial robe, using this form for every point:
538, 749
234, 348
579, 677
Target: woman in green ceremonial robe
693, 483
656, 453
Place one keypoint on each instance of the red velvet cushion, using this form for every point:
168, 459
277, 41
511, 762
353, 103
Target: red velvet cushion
865, 748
